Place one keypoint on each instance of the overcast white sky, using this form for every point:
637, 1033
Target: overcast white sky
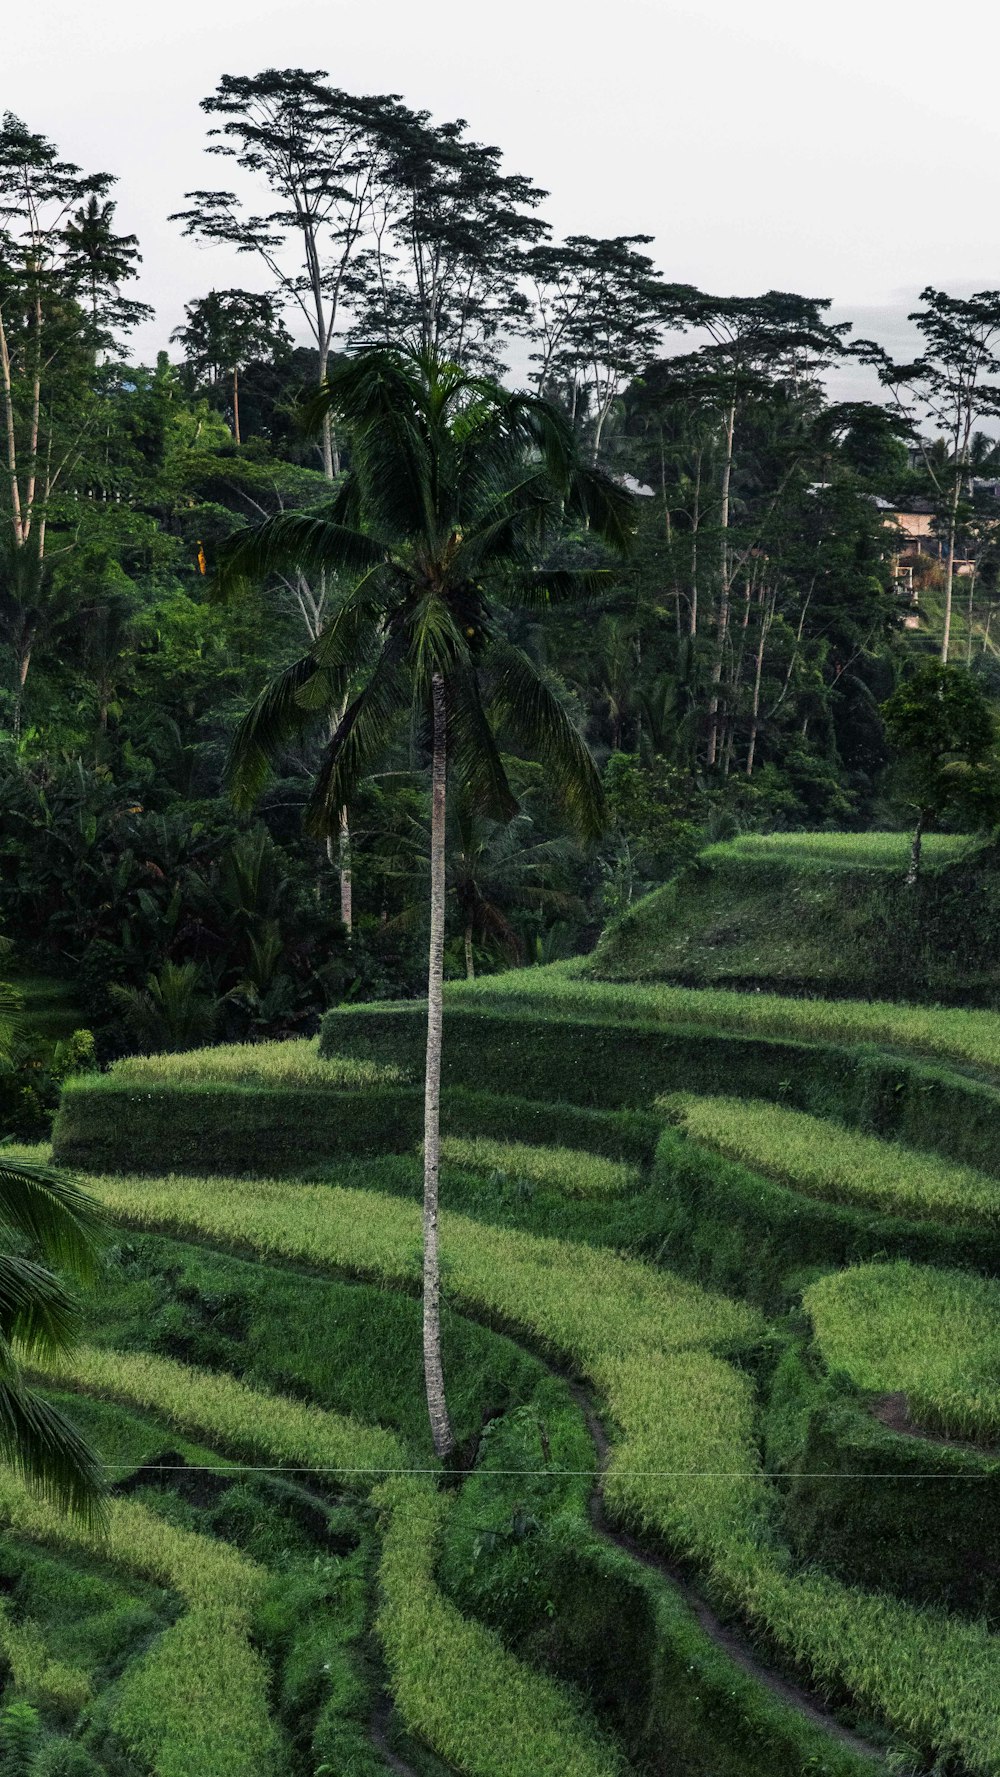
849, 151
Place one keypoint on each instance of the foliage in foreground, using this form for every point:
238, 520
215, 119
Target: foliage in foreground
826, 1160
930, 1334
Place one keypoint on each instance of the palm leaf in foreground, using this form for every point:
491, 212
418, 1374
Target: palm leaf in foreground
52, 1217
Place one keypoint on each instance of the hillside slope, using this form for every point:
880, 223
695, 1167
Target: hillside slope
822, 913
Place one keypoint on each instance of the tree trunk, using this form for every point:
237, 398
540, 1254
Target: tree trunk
950, 569
724, 594
470, 966
342, 862
433, 1370
918, 834
969, 617
236, 404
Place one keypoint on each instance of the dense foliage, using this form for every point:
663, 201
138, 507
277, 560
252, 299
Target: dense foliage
729, 676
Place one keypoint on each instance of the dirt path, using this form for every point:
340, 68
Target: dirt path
378, 1729
893, 1411
733, 1644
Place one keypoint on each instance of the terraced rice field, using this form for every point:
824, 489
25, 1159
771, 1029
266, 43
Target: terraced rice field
252, 1372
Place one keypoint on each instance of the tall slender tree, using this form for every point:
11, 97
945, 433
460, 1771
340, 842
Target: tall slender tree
223, 331
457, 491
320, 155
956, 383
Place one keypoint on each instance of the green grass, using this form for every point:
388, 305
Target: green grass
687, 1465
865, 851
296, 1062
687, 1468
571, 1171
195, 1704
453, 1680
970, 1038
242, 1419
577, 1299
932, 1335
826, 1160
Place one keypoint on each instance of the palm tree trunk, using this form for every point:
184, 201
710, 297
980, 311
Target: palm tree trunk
433, 1369
236, 404
470, 966
346, 880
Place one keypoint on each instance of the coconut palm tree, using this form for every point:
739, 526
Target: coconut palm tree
456, 492
47, 1224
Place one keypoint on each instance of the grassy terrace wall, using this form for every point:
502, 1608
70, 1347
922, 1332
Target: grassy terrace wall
613, 1064
575, 1063
879, 1509
820, 913
115, 1122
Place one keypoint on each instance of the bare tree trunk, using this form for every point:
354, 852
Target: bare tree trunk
724, 588
695, 522
918, 834
969, 616
950, 569
470, 966
346, 877
236, 404
433, 1369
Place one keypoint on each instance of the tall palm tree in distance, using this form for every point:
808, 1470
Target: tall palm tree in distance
457, 491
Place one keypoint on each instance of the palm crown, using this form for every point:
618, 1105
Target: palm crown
456, 492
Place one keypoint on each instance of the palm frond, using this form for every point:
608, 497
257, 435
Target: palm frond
523, 702
559, 586
436, 643
383, 397
605, 506
276, 717
302, 542
362, 733
36, 1309
59, 1219
43, 1446
473, 754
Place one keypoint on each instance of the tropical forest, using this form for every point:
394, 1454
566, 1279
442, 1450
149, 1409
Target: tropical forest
499, 986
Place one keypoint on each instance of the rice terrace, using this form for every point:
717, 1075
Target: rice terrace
499, 911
